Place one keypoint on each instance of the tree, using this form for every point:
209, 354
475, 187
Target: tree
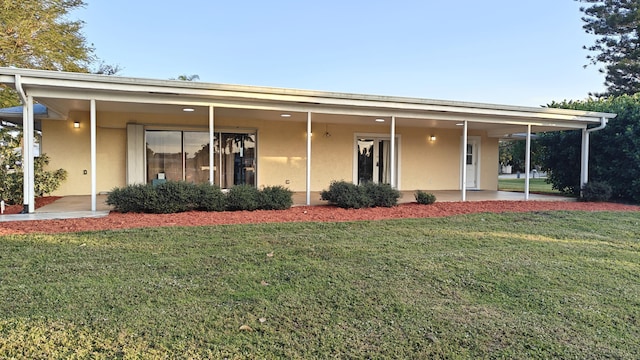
616, 23
614, 151
513, 152
36, 34
185, 77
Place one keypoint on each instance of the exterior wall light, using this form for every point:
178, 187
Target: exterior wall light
432, 137
76, 124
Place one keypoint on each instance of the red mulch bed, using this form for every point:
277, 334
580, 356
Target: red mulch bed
296, 214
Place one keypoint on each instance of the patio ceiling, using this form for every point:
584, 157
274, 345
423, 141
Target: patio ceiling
66, 92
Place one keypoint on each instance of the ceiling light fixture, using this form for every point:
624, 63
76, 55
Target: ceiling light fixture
188, 109
285, 115
379, 120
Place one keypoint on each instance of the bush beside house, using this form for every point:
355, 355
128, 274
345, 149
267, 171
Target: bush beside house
350, 196
180, 196
614, 156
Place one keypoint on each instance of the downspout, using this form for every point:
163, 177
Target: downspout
20, 90
25, 142
584, 176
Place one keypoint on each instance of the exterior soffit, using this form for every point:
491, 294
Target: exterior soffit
148, 93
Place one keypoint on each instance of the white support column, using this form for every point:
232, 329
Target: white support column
308, 185
94, 176
27, 156
584, 162
211, 145
392, 161
527, 163
465, 141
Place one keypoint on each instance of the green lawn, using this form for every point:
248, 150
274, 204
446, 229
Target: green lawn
531, 285
536, 185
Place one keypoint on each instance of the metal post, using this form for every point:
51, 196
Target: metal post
392, 161
211, 144
308, 158
94, 176
27, 156
527, 163
584, 163
464, 160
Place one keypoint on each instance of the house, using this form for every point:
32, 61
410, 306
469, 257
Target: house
110, 131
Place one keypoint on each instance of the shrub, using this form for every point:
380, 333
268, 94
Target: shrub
12, 178
275, 198
382, 195
424, 198
596, 191
210, 198
175, 196
243, 197
346, 195
133, 198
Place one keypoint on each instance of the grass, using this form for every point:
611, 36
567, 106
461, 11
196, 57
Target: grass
529, 285
537, 185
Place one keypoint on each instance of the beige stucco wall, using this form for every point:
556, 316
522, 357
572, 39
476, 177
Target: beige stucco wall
423, 164
69, 148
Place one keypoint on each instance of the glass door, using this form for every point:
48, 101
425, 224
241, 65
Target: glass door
237, 159
374, 160
164, 155
184, 155
196, 156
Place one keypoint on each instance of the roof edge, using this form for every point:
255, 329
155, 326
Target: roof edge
114, 79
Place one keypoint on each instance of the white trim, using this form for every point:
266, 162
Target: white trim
147, 88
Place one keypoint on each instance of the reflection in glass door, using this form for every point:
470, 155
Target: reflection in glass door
237, 160
164, 155
196, 156
374, 165
184, 155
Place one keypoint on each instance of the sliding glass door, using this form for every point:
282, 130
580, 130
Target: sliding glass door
374, 160
184, 155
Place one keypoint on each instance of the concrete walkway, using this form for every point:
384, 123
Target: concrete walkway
74, 207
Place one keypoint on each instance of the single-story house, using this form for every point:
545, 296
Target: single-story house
110, 131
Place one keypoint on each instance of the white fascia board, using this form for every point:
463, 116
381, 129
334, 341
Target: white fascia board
145, 93
147, 89
105, 82
298, 107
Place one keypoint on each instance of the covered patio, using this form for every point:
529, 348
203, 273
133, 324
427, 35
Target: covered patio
429, 143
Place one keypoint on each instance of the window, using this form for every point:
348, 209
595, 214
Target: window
184, 155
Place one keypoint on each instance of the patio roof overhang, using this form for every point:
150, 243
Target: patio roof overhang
64, 92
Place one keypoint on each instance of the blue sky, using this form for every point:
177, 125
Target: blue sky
519, 52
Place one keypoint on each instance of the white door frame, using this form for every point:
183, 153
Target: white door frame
476, 142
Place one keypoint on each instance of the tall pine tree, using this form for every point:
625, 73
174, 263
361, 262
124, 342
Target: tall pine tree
616, 24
